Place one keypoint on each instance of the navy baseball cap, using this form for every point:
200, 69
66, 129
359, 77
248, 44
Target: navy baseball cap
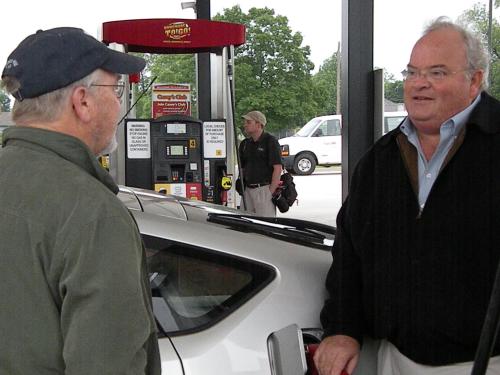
52, 59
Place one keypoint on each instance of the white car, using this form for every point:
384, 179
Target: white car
232, 293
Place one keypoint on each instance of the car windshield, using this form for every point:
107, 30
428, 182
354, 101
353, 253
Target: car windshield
306, 233
308, 128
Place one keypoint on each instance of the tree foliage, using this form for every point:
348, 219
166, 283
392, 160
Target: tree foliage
166, 69
477, 20
272, 69
325, 86
4, 101
393, 88
272, 72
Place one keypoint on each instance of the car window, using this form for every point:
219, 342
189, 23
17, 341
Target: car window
329, 128
2, 128
308, 128
391, 123
193, 288
333, 127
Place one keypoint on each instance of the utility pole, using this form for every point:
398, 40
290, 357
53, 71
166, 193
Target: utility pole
338, 109
203, 69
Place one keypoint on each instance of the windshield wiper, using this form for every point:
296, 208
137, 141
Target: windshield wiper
302, 232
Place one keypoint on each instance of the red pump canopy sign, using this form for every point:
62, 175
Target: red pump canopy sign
173, 35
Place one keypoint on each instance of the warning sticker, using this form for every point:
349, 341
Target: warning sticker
214, 139
138, 140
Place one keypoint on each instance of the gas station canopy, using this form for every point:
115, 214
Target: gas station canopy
173, 35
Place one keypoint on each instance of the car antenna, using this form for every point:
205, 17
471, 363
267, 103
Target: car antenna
139, 98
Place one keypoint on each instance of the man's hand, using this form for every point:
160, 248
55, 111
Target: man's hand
273, 187
337, 353
275, 178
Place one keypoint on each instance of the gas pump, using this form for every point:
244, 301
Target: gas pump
180, 155
177, 155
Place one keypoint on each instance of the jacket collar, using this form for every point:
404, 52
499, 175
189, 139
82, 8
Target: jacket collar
485, 116
65, 146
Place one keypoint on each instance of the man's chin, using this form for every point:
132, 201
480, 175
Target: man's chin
113, 144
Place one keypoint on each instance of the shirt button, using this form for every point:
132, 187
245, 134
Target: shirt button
428, 175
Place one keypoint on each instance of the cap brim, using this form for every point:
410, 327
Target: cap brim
123, 63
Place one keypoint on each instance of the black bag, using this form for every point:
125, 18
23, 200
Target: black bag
288, 188
286, 194
239, 186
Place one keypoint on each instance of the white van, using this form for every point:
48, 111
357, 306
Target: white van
319, 142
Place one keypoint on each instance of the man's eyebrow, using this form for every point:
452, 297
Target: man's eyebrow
428, 67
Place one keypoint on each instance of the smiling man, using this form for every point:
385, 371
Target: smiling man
417, 243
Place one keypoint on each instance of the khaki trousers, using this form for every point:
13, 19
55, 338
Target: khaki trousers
392, 362
258, 200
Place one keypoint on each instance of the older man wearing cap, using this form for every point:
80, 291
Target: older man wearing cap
73, 282
261, 165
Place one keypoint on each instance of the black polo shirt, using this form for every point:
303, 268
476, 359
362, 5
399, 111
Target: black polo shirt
258, 158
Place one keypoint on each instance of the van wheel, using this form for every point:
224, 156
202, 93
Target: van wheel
304, 164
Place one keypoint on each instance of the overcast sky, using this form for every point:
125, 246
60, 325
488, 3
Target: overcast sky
398, 23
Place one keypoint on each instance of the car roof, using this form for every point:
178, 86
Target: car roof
167, 210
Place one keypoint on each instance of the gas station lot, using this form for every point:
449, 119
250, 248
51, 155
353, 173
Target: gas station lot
320, 196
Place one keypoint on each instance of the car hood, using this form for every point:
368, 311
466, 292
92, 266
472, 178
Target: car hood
297, 231
170, 205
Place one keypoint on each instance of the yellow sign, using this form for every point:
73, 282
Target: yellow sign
104, 160
192, 143
226, 183
162, 188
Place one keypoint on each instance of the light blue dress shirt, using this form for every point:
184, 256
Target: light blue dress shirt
429, 170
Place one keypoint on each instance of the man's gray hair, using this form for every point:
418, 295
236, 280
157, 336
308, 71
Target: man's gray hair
477, 56
44, 108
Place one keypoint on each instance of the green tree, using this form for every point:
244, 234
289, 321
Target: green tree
272, 69
476, 19
393, 88
325, 86
4, 101
166, 69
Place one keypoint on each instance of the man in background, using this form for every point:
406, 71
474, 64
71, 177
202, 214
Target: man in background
75, 296
417, 244
260, 158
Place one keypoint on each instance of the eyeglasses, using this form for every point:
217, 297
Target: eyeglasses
432, 75
118, 88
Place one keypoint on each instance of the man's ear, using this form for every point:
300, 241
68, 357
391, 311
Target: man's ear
82, 103
476, 80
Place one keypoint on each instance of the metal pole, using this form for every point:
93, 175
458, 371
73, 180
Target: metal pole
357, 92
489, 331
490, 22
203, 69
230, 75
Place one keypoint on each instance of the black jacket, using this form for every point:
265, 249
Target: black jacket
420, 279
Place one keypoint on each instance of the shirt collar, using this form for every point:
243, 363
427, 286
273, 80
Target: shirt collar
457, 122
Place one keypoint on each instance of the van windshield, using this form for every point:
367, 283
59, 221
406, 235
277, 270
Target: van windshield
308, 128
